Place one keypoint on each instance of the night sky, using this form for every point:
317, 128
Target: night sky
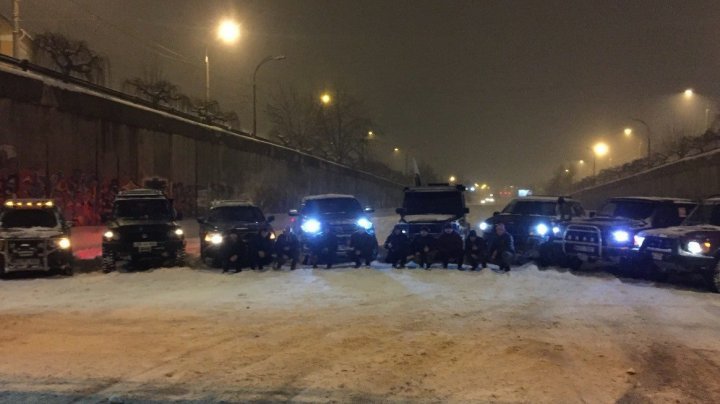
497, 91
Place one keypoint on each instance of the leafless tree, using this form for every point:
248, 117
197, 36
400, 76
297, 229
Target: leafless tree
156, 89
343, 128
212, 114
295, 120
70, 56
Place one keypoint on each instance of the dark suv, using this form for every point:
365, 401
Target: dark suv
433, 206
227, 217
341, 212
34, 236
143, 229
607, 238
692, 248
535, 223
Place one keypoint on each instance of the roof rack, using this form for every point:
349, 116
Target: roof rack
141, 193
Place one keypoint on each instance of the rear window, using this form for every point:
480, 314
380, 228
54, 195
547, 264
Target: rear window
636, 210
705, 214
27, 218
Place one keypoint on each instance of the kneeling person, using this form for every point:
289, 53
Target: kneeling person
450, 247
287, 248
363, 247
261, 249
233, 253
398, 248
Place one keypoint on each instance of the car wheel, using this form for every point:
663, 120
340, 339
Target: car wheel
108, 262
574, 264
713, 279
179, 258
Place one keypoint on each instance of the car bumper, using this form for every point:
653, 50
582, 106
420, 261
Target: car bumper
55, 260
145, 252
606, 255
679, 263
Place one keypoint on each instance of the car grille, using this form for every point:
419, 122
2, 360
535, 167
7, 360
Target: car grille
26, 248
152, 235
659, 243
344, 228
583, 239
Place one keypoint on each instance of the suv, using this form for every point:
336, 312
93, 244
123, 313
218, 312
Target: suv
224, 217
692, 248
607, 238
534, 222
143, 229
34, 236
341, 212
433, 206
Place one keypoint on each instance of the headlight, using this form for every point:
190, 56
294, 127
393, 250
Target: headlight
272, 236
694, 247
556, 230
179, 232
621, 236
638, 241
484, 226
364, 223
311, 226
109, 235
541, 229
214, 238
63, 243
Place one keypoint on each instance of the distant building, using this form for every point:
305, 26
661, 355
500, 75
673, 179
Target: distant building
6, 40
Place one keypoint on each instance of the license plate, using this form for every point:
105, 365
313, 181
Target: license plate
584, 248
145, 244
26, 262
658, 256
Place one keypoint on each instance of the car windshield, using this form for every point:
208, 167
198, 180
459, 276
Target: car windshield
143, 209
421, 203
704, 214
236, 214
331, 206
27, 218
541, 208
637, 210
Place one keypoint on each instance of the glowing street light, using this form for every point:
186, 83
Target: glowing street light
599, 150
326, 99
396, 150
228, 31
628, 131
371, 134
452, 178
688, 93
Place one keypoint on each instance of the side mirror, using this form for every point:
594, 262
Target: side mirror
293, 212
496, 213
466, 210
201, 220
270, 219
400, 211
369, 210
591, 213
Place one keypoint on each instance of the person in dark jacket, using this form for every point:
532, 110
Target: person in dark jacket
261, 249
423, 247
398, 248
363, 246
233, 253
450, 247
324, 249
475, 251
502, 248
287, 248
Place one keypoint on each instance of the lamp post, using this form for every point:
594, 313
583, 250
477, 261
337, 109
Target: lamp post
228, 31
262, 62
647, 135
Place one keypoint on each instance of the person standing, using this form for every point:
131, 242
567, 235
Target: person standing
475, 251
502, 248
423, 246
450, 247
363, 247
397, 246
233, 253
261, 249
287, 248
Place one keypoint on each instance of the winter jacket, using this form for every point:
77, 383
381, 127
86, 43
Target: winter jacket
502, 244
420, 242
287, 244
449, 243
362, 241
398, 243
477, 247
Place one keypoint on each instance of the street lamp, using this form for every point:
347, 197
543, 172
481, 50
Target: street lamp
228, 32
648, 133
628, 131
599, 150
326, 99
396, 150
452, 178
262, 62
688, 93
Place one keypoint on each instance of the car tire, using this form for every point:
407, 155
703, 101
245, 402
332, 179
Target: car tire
179, 260
108, 262
713, 279
574, 264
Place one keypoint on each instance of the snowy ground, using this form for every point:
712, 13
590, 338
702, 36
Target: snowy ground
372, 334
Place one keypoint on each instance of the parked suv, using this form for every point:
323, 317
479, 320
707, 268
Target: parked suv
432, 207
535, 223
225, 217
607, 238
143, 230
341, 212
693, 248
34, 236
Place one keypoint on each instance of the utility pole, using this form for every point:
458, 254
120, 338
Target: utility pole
648, 133
16, 29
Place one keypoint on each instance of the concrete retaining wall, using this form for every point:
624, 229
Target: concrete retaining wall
80, 147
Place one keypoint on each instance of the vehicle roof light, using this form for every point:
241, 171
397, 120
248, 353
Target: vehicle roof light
9, 204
